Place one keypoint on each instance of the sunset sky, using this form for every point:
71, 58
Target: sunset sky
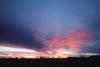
51, 24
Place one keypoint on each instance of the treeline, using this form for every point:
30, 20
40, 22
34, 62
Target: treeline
93, 60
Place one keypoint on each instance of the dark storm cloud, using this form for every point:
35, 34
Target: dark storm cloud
94, 31
94, 28
13, 35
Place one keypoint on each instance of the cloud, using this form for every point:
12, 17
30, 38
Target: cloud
16, 35
14, 52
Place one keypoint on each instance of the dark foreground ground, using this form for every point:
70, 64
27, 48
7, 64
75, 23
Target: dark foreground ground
93, 61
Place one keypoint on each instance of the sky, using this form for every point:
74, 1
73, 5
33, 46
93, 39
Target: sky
28, 22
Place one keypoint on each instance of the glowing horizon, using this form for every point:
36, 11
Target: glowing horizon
13, 52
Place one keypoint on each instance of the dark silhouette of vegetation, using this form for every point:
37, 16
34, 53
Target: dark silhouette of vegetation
93, 60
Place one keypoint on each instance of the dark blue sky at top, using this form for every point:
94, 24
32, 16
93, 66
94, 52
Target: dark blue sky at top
20, 20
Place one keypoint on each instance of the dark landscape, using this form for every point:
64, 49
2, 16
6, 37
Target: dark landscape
71, 61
